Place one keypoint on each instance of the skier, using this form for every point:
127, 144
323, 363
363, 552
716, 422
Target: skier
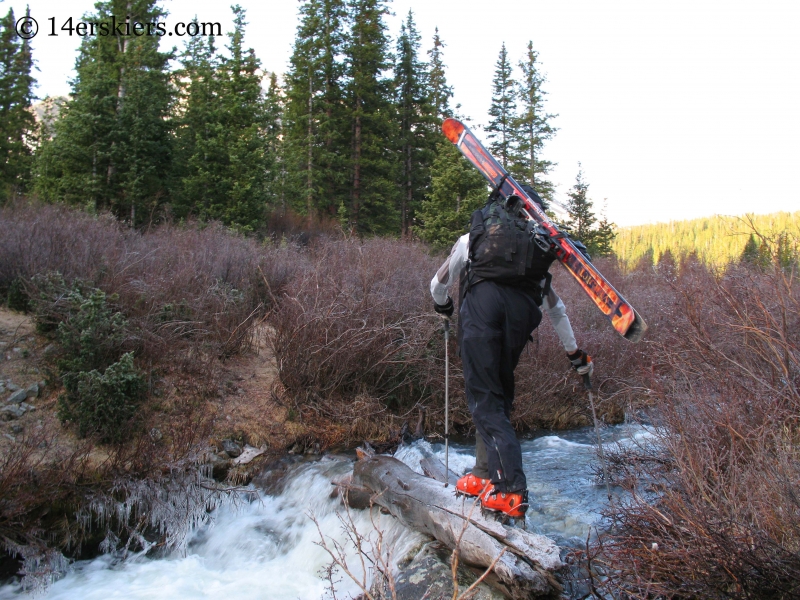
504, 280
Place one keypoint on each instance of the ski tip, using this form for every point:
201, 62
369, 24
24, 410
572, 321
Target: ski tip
637, 328
452, 129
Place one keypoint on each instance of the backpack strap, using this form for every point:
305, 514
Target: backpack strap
547, 280
476, 231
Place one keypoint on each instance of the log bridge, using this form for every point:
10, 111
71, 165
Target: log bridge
528, 561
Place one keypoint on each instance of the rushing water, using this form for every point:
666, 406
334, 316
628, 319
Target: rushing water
269, 547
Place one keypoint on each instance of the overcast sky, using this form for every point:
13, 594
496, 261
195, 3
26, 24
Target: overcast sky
676, 109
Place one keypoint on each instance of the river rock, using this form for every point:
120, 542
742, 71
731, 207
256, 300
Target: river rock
232, 448
248, 454
429, 576
219, 465
17, 397
11, 411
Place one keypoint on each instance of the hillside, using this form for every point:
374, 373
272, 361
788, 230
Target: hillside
717, 240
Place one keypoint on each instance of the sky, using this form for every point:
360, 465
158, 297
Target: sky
674, 109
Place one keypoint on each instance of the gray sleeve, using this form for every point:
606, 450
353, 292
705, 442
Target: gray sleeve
450, 271
557, 312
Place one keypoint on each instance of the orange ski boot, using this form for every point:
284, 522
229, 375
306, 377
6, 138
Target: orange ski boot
469, 485
513, 504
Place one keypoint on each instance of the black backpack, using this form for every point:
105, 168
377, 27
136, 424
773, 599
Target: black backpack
503, 249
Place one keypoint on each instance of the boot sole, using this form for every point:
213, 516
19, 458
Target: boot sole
501, 516
467, 494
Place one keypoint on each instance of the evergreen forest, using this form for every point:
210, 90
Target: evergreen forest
716, 241
348, 137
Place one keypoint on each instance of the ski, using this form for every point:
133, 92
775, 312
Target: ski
624, 319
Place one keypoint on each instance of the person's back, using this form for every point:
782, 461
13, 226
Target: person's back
503, 270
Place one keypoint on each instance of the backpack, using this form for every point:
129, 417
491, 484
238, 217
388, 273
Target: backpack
503, 248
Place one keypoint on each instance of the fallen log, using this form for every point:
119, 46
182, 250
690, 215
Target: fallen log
526, 566
433, 468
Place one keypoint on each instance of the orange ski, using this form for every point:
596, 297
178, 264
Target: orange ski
624, 319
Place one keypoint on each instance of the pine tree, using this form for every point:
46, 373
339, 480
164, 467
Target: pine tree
199, 147
602, 242
581, 218
438, 90
368, 96
316, 149
224, 153
457, 189
500, 129
243, 127
17, 123
750, 253
417, 123
274, 133
111, 149
786, 250
532, 127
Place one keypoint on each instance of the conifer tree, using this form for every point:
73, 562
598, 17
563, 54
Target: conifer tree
222, 131
532, 127
786, 250
199, 150
581, 218
457, 189
17, 123
500, 129
368, 96
438, 90
316, 126
602, 242
417, 123
111, 149
275, 159
750, 252
243, 127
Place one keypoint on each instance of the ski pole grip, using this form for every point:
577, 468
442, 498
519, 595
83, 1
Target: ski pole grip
587, 382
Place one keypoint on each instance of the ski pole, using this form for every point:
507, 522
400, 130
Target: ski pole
446, 403
587, 383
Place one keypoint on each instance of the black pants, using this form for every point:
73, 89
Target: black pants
496, 322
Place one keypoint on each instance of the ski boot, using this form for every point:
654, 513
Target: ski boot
469, 485
505, 505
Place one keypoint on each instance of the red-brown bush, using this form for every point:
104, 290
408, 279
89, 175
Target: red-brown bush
179, 287
714, 510
354, 336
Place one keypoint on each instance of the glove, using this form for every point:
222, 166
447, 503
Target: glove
445, 309
581, 362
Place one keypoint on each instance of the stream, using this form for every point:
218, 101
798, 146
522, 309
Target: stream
268, 546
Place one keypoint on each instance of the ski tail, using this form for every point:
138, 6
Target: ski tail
623, 317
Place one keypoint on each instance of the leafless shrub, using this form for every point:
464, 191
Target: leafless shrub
375, 558
180, 288
356, 324
714, 512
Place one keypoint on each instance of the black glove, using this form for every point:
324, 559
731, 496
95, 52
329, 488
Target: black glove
445, 309
581, 362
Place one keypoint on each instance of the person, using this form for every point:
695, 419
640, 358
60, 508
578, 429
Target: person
505, 286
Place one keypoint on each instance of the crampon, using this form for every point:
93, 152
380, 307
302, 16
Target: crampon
504, 505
